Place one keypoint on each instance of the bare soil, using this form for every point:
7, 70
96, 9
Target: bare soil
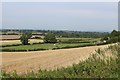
50, 59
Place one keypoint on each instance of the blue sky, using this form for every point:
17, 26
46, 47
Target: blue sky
77, 16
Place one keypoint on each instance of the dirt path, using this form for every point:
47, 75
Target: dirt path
50, 59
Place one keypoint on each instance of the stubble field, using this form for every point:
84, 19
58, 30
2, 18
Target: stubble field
50, 59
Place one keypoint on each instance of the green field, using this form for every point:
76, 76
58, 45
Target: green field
42, 46
31, 41
81, 40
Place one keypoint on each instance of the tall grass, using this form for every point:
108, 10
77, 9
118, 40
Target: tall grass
98, 65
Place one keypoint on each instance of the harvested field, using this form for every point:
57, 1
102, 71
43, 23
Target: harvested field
51, 59
8, 42
35, 40
13, 37
9, 37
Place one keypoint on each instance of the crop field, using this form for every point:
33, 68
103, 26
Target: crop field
60, 40
74, 57
11, 42
95, 61
49, 59
9, 37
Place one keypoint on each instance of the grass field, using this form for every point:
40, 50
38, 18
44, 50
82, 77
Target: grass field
44, 46
80, 39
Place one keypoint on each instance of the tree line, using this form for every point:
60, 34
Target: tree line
69, 34
114, 36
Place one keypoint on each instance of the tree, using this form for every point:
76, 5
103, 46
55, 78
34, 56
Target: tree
50, 38
113, 37
24, 38
114, 33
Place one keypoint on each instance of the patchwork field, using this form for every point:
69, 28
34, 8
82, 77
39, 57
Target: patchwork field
65, 58
16, 45
10, 42
50, 59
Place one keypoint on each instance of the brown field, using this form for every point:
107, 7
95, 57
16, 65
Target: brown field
50, 59
9, 37
8, 42
13, 37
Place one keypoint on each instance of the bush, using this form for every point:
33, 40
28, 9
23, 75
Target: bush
113, 37
22, 50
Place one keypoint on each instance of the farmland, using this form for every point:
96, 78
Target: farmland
68, 55
11, 42
38, 44
66, 40
41, 46
102, 63
9, 37
52, 57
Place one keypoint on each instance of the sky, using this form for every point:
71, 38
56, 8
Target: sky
73, 16
59, 0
